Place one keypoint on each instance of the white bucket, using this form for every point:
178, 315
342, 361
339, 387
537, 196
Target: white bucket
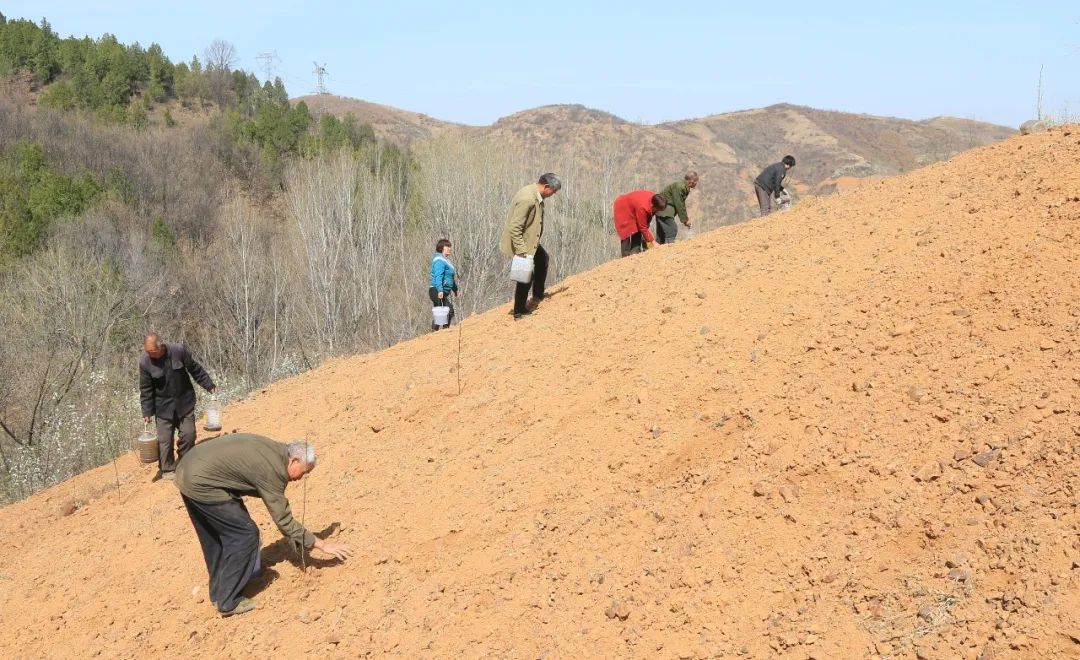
687, 234
521, 269
213, 415
440, 315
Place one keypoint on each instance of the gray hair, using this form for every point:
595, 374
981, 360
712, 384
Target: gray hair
551, 181
303, 451
691, 175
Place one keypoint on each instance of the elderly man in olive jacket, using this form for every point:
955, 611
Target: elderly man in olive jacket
676, 194
521, 236
212, 479
167, 397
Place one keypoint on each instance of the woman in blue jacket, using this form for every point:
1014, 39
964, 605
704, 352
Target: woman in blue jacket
443, 279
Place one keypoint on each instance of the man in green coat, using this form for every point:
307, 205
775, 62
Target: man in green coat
212, 478
676, 193
521, 237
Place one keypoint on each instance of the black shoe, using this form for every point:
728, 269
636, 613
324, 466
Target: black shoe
518, 315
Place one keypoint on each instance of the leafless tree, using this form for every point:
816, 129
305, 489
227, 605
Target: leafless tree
220, 55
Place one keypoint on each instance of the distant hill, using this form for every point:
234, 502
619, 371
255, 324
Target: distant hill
728, 150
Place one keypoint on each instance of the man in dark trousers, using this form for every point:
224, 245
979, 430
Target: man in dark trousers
633, 211
166, 395
213, 477
676, 194
521, 237
770, 183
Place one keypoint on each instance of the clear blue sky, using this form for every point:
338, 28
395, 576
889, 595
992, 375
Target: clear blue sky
474, 62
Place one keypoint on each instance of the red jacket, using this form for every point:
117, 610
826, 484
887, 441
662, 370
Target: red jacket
633, 211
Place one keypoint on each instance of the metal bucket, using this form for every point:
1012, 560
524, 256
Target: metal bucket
146, 446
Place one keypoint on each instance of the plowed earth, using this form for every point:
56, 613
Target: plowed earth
847, 430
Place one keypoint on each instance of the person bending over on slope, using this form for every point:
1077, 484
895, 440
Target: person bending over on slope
676, 194
769, 185
633, 211
212, 479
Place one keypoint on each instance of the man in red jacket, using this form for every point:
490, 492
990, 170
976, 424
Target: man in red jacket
633, 212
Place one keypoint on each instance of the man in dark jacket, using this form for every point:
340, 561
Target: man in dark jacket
166, 393
676, 194
770, 183
213, 478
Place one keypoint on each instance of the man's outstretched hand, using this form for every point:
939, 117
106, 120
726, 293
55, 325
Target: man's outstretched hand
337, 550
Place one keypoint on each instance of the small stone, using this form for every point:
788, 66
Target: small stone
959, 574
303, 616
916, 393
942, 415
704, 330
961, 455
957, 560
927, 613
1019, 642
904, 329
618, 610
1047, 345
700, 295
986, 458
983, 500
333, 638
761, 489
928, 472
961, 312
789, 493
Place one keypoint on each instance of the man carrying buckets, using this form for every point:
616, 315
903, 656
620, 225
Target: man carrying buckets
213, 477
521, 238
167, 397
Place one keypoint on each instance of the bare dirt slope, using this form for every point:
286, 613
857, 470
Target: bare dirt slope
848, 430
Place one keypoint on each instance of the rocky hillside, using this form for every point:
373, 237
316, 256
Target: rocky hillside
856, 434
727, 149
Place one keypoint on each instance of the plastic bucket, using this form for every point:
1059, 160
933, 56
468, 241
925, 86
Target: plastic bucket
521, 269
213, 415
146, 446
440, 315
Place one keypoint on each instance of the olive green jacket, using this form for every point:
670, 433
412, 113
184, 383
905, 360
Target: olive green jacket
676, 195
242, 465
524, 222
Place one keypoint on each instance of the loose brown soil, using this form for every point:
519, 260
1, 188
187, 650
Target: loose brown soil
849, 430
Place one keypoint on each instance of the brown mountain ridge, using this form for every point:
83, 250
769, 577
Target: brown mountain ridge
728, 150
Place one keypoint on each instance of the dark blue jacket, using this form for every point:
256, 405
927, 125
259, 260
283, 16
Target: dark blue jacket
772, 178
165, 390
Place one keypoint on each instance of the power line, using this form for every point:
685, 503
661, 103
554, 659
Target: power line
320, 78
